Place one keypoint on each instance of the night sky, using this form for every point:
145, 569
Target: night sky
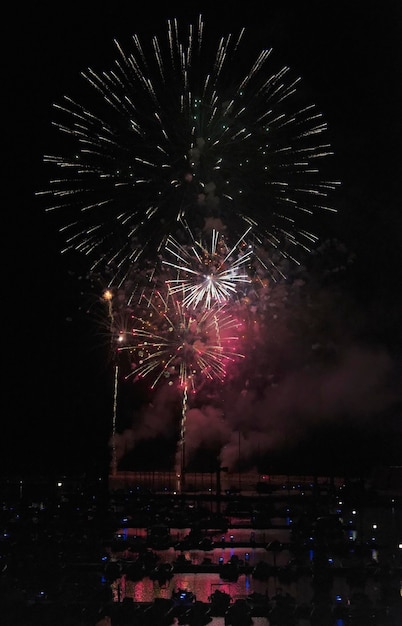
59, 385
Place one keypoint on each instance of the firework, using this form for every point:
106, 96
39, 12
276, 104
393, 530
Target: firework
189, 178
167, 342
207, 272
171, 132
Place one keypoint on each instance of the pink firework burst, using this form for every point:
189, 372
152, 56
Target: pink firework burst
168, 342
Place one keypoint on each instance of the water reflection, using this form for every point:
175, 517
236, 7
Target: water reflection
248, 544
204, 584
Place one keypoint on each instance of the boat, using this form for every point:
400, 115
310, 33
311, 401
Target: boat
262, 571
230, 571
162, 573
183, 597
220, 601
239, 614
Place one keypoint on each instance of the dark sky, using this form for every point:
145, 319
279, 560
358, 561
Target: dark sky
58, 392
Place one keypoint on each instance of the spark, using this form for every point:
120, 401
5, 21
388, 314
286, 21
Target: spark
208, 274
166, 342
168, 134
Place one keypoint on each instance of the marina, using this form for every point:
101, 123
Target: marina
269, 556
265, 551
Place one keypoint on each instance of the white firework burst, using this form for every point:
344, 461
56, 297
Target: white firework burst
172, 132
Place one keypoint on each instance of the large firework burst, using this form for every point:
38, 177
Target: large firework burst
171, 132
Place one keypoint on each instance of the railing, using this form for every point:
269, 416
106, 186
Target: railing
197, 482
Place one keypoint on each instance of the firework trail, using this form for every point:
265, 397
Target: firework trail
171, 132
168, 343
